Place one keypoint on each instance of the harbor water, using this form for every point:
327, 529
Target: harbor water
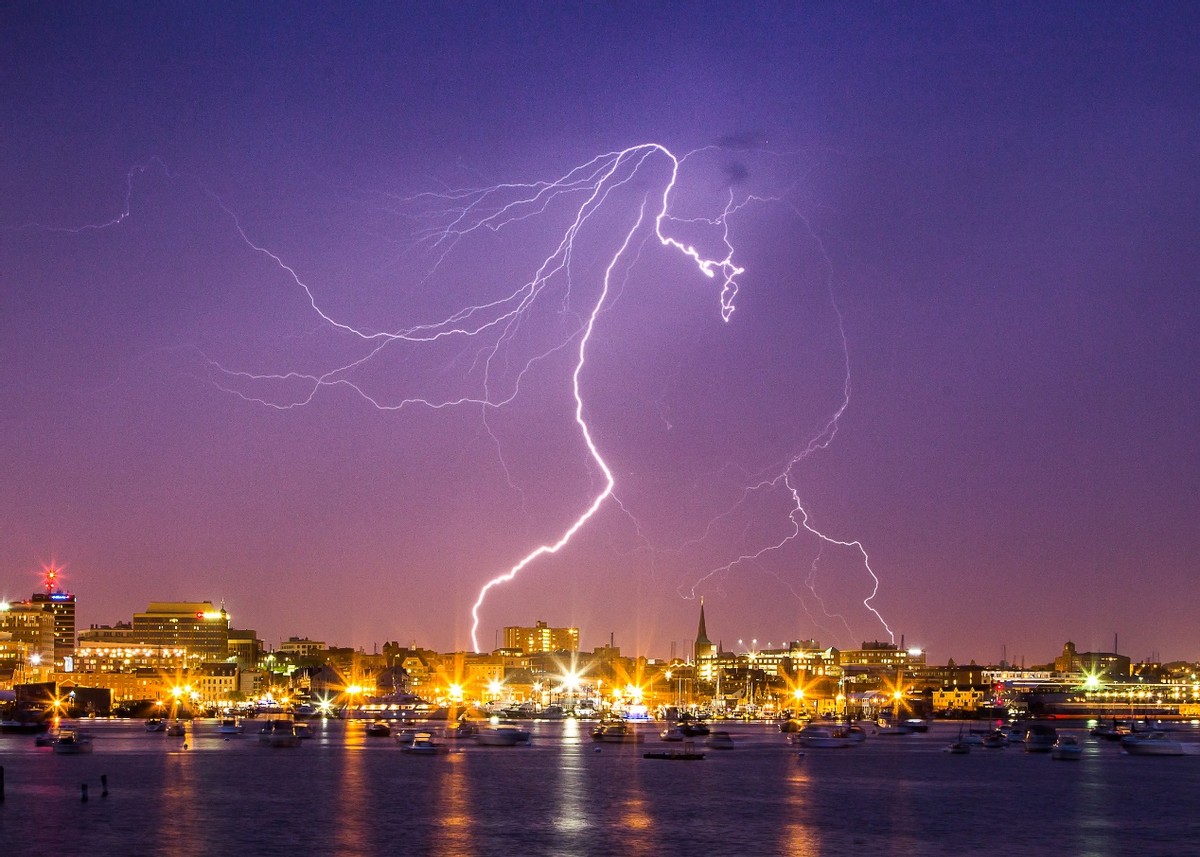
346, 793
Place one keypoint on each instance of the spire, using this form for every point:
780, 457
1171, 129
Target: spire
702, 632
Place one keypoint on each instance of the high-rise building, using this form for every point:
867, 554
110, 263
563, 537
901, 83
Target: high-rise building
197, 626
32, 626
54, 600
541, 638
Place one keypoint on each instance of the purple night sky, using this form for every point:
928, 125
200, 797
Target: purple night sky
998, 204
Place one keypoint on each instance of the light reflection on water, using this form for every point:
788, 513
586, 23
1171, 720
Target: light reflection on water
343, 794
798, 837
179, 804
454, 807
354, 799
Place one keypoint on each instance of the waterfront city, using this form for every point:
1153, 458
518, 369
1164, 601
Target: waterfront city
188, 659
178, 733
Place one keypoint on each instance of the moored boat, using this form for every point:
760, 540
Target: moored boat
959, 747
71, 742
460, 729
1156, 743
1066, 749
1110, 731
156, 724
821, 737
995, 740
176, 729
378, 729
1040, 738
888, 728
279, 733
229, 727
422, 744
617, 732
694, 728
503, 734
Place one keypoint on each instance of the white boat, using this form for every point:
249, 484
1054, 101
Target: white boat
1066, 749
502, 735
279, 733
674, 733
69, 742
1040, 738
229, 727
1155, 743
821, 737
405, 736
423, 744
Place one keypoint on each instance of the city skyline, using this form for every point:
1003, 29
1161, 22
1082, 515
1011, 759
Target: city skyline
542, 636
962, 341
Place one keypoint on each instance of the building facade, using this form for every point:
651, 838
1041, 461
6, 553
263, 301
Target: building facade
197, 626
541, 638
61, 605
33, 627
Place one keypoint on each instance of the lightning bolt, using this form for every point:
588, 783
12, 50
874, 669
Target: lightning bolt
448, 217
798, 515
494, 208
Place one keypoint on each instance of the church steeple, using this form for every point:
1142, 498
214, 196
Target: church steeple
704, 647
702, 632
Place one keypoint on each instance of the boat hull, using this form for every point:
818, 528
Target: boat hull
1154, 744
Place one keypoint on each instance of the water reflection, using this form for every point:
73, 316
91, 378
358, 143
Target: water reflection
353, 797
179, 801
571, 819
636, 830
797, 836
455, 822
1092, 808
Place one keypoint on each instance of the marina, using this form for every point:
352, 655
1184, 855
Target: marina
785, 799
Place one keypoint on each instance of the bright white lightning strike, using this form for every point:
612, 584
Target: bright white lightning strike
595, 180
456, 215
